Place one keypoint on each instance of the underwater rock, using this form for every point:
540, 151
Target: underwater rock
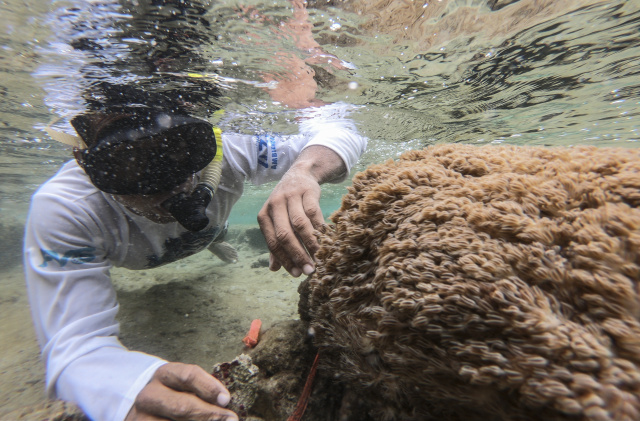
475, 283
246, 237
239, 377
282, 359
254, 238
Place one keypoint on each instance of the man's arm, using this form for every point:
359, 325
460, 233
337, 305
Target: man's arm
292, 211
74, 308
329, 146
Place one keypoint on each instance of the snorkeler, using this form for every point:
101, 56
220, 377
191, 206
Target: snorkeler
152, 182
114, 205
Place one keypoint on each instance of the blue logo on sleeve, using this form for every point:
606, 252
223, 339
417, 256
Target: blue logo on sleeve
77, 256
267, 153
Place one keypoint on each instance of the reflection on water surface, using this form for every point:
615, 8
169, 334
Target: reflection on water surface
527, 72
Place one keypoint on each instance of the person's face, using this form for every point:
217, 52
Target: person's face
150, 205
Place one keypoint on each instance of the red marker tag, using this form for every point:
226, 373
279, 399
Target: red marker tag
251, 339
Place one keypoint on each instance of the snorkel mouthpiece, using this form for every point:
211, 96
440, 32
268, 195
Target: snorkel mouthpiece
190, 210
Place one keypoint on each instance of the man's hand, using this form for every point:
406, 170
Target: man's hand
182, 392
292, 212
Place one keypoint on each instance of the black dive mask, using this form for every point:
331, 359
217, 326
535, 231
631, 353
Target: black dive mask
143, 153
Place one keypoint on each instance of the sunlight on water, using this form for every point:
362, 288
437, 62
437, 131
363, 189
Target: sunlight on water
570, 77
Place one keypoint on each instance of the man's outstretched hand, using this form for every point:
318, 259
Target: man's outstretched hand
182, 392
292, 212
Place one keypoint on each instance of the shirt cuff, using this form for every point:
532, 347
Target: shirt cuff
134, 390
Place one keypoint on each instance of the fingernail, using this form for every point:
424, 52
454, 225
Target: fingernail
223, 399
308, 269
272, 262
295, 272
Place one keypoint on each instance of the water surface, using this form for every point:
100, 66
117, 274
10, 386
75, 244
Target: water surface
570, 77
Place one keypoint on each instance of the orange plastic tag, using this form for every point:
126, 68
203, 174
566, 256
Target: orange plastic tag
251, 339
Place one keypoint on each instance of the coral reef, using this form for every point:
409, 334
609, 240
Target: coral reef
493, 283
239, 377
266, 382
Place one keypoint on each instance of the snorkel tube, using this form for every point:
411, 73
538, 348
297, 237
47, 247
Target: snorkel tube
190, 209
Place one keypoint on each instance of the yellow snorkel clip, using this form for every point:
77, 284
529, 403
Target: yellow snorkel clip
211, 174
62, 137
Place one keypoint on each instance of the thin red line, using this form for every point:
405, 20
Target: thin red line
306, 392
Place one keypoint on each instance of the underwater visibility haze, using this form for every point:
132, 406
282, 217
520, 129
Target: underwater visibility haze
524, 72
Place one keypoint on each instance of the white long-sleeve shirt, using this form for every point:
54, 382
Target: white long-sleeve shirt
75, 234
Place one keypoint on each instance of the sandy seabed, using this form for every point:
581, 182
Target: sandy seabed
196, 310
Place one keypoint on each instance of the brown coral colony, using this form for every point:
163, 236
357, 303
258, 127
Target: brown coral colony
464, 282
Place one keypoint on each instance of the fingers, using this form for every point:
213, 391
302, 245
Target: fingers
287, 222
134, 415
286, 249
182, 392
193, 379
304, 215
156, 401
273, 263
311, 206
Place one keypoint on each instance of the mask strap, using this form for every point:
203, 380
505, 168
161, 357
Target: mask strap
62, 137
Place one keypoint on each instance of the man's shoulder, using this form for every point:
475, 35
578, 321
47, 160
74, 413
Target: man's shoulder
68, 196
69, 183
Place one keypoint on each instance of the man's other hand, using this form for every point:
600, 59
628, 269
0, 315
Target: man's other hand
182, 392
